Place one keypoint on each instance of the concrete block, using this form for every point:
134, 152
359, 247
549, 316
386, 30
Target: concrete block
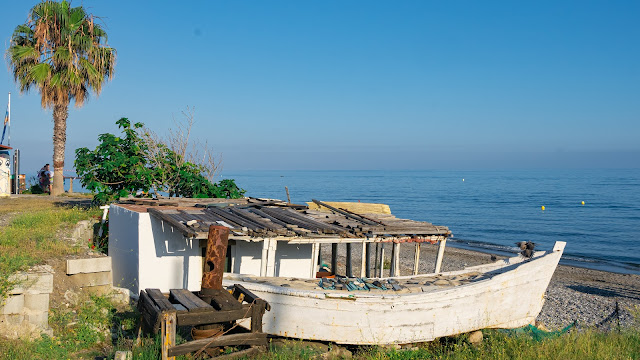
92, 279
83, 232
37, 318
36, 302
123, 355
38, 283
121, 295
12, 319
13, 305
90, 265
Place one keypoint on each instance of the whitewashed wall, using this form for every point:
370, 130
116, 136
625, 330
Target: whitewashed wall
148, 253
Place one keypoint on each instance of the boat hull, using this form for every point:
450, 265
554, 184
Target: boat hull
512, 296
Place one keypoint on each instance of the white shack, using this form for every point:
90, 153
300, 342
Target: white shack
163, 246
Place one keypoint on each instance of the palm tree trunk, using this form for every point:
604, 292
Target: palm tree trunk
60, 114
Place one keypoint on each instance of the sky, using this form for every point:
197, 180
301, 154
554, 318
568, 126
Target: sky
381, 85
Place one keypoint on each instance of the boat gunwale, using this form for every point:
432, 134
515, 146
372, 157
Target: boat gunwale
517, 262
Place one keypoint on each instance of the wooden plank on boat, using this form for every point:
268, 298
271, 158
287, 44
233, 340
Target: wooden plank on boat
159, 300
187, 299
225, 340
211, 317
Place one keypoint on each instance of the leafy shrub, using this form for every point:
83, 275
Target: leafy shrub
122, 166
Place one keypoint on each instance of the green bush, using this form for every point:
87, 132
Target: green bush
122, 166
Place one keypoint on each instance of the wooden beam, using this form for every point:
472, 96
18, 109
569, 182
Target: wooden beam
314, 260
396, 259
348, 267
416, 260
334, 257
160, 301
364, 262
381, 260
168, 334
441, 246
265, 253
187, 299
271, 257
210, 317
225, 340
392, 269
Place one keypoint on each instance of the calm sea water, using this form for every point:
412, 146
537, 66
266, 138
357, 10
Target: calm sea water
491, 210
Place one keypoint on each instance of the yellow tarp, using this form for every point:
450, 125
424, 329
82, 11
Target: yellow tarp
356, 207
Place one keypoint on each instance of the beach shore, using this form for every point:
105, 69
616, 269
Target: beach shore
574, 294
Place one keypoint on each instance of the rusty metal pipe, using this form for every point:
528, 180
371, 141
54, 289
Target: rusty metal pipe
215, 256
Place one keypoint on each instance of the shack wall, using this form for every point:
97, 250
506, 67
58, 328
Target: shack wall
149, 253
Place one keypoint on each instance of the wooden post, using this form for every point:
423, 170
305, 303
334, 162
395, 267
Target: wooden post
441, 246
314, 261
257, 311
416, 260
265, 252
288, 197
168, 333
376, 258
367, 252
271, 257
364, 262
348, 266
71, 185
396, 259
392, 270
381, 260
334, 257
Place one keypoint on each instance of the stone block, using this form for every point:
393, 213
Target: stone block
36, 283
39, 319
90, 265
123, 355
36, 302
13, 305
120, 295
92, 279
83, 232
12, 319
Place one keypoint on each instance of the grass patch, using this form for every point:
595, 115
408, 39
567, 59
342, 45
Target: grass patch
30, 233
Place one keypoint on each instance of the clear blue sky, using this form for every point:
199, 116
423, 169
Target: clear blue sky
364, 84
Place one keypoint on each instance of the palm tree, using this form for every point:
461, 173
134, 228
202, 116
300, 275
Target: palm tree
62, 52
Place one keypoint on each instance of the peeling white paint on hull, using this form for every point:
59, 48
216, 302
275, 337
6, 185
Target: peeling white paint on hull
511, 296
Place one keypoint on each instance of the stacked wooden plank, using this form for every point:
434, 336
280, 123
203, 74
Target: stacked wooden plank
273, 218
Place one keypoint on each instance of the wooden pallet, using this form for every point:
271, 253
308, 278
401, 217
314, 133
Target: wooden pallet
164, 312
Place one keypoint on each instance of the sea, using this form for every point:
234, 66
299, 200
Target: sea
597, 212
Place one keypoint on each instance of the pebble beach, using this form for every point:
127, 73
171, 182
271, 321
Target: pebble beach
586, 296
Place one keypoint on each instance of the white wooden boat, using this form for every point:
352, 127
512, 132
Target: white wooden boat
506, 294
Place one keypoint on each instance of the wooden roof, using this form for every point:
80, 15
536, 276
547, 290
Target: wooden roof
263, 218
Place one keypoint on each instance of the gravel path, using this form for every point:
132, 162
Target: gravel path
588, 296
